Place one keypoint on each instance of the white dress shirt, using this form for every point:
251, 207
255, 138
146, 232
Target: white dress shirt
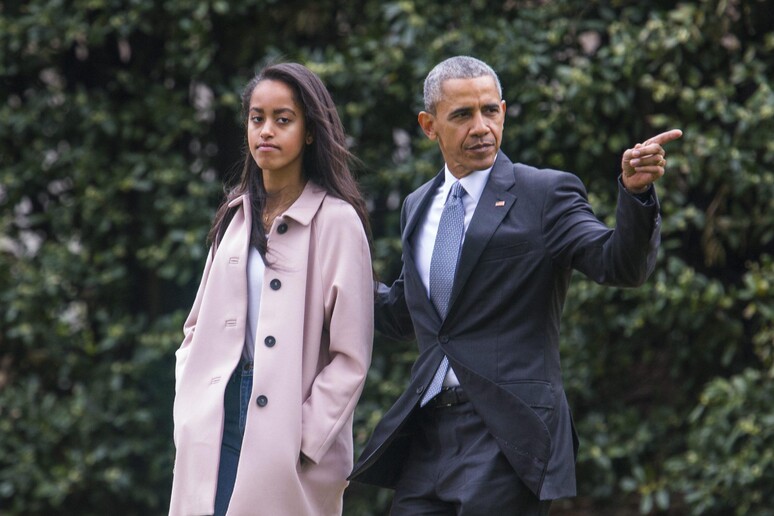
255, 270
424, 238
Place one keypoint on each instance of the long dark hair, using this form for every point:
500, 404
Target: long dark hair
326, 160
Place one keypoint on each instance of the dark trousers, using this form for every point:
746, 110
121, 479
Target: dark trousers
456, 468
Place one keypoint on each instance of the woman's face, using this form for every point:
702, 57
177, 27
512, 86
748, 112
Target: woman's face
276, 129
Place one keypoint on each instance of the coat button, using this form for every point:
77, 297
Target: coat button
269, 341
275, 284
282, 228
262, 400
444, 338
420, 389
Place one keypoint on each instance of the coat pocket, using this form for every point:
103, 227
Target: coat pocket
505, 252
537, 394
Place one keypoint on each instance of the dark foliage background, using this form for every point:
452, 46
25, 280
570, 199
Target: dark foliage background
118, 127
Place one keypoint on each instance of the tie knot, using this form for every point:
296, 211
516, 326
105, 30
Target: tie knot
457, 190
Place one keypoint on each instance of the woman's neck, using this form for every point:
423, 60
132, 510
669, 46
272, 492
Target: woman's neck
282, 194
279, 186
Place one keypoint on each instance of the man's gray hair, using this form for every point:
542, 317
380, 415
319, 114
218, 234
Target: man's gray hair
459, 67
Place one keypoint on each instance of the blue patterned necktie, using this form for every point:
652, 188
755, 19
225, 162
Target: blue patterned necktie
443, 265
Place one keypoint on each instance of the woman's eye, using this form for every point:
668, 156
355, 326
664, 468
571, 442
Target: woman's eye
283, 120
257, 119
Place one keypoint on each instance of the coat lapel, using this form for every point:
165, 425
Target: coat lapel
415, 216
495, 202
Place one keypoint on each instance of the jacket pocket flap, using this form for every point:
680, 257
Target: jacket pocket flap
536, 394
505, 252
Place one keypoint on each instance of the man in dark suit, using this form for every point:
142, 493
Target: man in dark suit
488, 250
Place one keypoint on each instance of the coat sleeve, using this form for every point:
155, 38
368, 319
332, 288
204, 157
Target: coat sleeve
348, 289
624, 256
181, 355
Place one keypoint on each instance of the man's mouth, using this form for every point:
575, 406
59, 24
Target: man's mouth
480, 146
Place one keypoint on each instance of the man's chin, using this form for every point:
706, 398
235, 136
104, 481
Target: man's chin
482, 162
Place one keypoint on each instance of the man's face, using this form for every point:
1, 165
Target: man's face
467, 123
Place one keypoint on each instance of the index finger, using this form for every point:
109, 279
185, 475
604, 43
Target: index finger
665, 137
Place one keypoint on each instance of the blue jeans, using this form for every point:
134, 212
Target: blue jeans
235, 404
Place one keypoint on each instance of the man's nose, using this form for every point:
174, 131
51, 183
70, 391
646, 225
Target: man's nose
479, 125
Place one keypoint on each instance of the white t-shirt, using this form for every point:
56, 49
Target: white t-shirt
255, 270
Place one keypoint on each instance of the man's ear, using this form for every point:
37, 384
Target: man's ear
427, 123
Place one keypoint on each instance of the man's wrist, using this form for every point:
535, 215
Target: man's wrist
644, 195
631, 190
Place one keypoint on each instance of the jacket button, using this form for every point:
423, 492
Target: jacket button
262, 400
444, 338
275, 284
282, 228
420, 389
269, 341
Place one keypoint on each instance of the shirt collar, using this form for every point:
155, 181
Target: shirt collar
473, 183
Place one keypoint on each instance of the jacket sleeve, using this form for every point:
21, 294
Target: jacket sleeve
624, 256
181, 355
345, 261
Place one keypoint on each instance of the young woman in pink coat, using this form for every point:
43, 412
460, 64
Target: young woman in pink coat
278, 342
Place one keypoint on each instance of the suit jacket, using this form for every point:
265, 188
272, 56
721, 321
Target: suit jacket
530, 229
312, 352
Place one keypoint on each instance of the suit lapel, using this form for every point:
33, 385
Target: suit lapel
415, 215
495, 202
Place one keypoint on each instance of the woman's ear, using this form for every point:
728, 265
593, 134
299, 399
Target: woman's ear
309, 138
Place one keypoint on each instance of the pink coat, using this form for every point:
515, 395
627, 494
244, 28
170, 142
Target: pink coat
320, 313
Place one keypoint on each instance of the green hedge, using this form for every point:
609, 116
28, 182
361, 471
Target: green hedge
120, 127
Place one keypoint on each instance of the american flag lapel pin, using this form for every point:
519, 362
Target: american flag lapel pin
499, 204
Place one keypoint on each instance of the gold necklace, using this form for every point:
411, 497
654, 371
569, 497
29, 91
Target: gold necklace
270, 214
